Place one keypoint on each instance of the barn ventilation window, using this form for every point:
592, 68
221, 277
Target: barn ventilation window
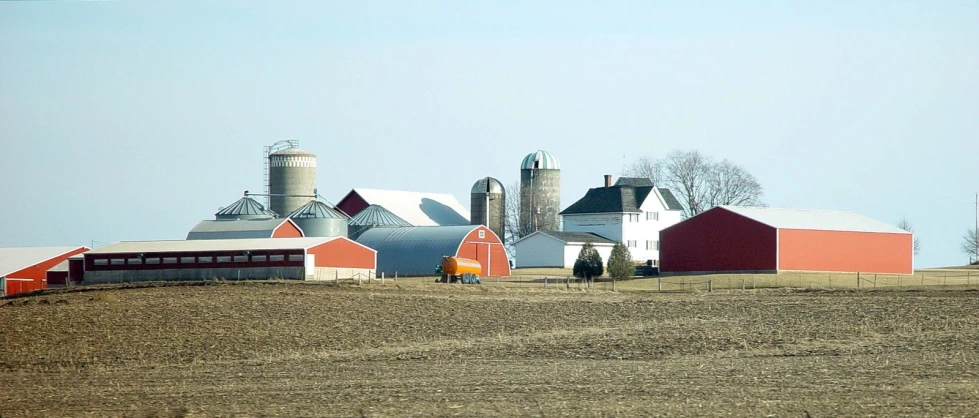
169, 260
277, 257
224, 258
118, 261
187, 260
101, 262
259, 258
205, 259
482, 234
153, 260
295, 257
134, 261
241, 258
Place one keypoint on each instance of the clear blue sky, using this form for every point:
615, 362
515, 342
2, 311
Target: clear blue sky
135, 120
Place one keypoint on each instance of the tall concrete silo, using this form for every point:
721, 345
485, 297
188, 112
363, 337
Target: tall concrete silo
292, 172
540, 193
317, 219
488, 206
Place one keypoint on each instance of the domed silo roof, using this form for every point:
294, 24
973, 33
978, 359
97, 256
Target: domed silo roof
245, 208
293, 151
376, 215
488, 185
540, 160
317, 219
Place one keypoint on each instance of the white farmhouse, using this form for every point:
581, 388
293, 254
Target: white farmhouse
632, 212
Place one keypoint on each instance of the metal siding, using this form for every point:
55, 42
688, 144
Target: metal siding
344, 253
825, 220
287, 230
865, 252
352, 203
487, 250
415, 251
34, 277
419, 209
718, 240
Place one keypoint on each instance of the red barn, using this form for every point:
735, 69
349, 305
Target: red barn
321, 258
25, 269
743, 239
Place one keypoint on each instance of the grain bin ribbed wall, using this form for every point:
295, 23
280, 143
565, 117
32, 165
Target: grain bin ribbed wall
540, 193
292, 172
488, 206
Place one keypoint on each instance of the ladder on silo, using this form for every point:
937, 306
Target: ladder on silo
269, 150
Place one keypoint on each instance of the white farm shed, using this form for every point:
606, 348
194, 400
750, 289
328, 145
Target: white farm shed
558, 249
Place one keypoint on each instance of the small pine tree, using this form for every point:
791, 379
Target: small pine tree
620, 262
589, 263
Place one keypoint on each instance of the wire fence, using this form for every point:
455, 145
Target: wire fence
712, 282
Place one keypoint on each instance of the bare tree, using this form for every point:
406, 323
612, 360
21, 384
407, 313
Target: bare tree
699, 182
906, 225
513, 232
970, 244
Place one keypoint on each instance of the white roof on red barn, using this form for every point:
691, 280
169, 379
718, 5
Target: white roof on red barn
418, 209
19, 258
821, 220
256, 244
238, 228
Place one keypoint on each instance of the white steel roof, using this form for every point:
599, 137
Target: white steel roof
419, 209
823, 220
18, 258
212, 245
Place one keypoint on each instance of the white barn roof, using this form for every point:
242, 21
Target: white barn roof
822, 220
213, 245
18, 258
418, 209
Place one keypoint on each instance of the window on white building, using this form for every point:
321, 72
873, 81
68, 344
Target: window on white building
631, 243
650, 245
652, 216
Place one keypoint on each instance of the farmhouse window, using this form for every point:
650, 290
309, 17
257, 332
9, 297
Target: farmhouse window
631, 243
652, 216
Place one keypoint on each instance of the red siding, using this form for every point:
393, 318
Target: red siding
718, 240
487, 250
344, 253
37, 273
867, 252
352, 204
57, 277
287, 230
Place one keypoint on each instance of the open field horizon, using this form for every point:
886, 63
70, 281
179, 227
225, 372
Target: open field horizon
314, 349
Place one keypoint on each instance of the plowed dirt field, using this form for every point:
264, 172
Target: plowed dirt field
299, 349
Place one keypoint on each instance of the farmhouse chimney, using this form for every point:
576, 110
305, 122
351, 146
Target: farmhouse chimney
608, 180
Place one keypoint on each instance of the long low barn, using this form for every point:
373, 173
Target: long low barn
322, 258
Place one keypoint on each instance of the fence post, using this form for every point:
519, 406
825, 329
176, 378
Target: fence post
336, 277
382, 278
875, 282
945, 280
742, 284
922, 279
613, 284
710, 285
545, 282
858, 280
567, 282
659, 284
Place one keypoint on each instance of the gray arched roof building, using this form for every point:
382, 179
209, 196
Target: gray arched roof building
416, 250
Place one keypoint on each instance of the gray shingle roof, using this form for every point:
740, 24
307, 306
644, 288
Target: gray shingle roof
672, 203
578, 237
633, 181
615, 199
